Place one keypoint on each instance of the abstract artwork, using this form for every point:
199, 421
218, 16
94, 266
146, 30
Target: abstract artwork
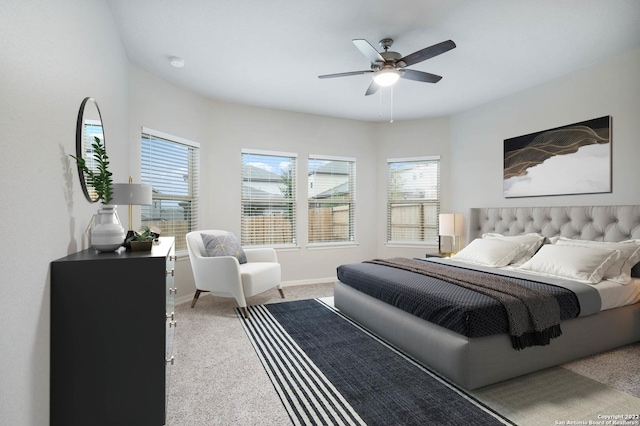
572, 159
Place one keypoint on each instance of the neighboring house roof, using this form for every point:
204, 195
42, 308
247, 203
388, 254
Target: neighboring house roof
333, 168
259, 174
339, 190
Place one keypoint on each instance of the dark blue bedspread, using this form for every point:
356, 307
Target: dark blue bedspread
459, 309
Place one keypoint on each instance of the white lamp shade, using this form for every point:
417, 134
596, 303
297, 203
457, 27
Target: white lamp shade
135, 194
451, 224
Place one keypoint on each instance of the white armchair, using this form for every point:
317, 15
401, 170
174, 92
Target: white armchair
224, 276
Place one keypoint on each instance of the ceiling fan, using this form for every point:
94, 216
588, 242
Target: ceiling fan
387, 67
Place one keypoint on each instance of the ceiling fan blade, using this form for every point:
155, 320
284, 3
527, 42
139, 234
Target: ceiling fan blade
368, 50
373, 88
426, 53
421, 76
345, 74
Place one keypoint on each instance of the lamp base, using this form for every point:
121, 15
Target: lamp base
448, 246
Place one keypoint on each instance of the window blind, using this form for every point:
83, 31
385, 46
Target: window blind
92, 129
413, 200
331, 189
170, 164
268, 198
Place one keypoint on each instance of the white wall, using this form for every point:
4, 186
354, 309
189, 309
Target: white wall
234, 127
56, 53
53, 55
164, 107
469, 144
223, 130
400, 139
609, 88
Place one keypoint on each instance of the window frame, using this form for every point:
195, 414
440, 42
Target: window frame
292, 202
193, 183
351, 201
426, 228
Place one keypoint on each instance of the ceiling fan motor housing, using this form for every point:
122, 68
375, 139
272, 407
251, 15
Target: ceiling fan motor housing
390, 59
386, 43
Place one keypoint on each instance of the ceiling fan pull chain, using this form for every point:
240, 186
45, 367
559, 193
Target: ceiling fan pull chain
391, 121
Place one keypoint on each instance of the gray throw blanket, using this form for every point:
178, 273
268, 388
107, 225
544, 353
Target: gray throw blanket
534, 316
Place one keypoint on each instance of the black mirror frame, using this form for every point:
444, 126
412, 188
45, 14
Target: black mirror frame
79, 143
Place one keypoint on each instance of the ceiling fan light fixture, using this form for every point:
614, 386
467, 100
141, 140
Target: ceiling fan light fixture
386, 77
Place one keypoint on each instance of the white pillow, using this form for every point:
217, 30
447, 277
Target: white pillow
619, 271
578, 263
488, 252
532, 242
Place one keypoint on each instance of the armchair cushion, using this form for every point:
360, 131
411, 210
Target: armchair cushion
224, 245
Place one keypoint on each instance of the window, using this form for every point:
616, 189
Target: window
268, 198
171, 166
92, 129
413, 200
332, 183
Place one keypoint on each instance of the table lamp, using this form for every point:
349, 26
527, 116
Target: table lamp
131, 194
450, 225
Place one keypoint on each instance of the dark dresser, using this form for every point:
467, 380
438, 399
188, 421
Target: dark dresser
112, 326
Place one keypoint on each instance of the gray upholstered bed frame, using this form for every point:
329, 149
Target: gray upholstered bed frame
477, 362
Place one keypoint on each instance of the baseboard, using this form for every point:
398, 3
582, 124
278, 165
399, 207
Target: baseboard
184, 299
309, 281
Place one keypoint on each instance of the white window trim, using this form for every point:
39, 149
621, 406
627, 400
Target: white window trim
409, 244
331, 158
280, 247
170, 137
180, 253
333, 244
413, 159
271, 153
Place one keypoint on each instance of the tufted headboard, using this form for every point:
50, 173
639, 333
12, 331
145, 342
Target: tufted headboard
595, 223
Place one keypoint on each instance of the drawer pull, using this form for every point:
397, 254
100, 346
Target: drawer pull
171, 316
173, 258
173, 290
171, 272
170, 360
173, 324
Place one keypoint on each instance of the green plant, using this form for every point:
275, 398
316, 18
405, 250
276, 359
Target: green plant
101, 180
145, 235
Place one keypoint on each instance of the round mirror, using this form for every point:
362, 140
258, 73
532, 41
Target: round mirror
88, 127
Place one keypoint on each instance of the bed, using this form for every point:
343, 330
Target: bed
474, 362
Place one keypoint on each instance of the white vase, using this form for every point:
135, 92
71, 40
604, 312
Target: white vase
108, 234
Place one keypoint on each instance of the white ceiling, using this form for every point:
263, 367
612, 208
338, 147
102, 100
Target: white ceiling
268, 53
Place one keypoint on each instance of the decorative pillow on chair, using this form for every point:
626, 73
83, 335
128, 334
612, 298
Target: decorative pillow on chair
224, 245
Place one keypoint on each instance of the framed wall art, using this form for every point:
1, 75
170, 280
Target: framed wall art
572, 159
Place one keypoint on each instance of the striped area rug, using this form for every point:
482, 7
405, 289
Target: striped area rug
327, 370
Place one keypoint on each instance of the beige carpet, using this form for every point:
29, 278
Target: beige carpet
619, 368
218, 380
556, 395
